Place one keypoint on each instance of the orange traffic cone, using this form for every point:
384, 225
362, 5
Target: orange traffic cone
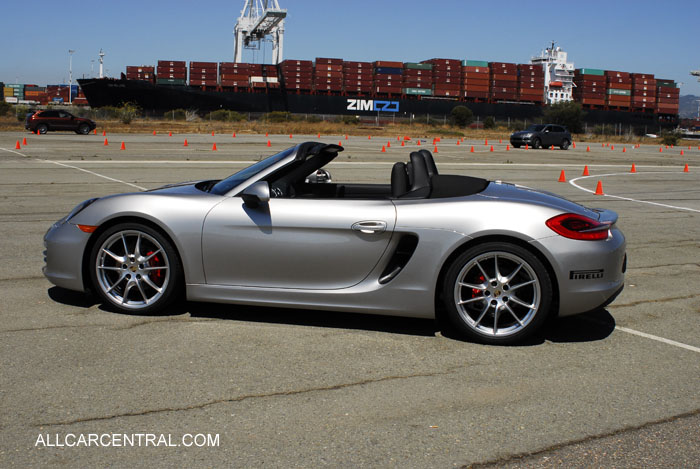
24, 142
552, 147
599, 189
486, 141
661, 149
106, 143
318, 135
681, 152
290, 136
185, 144
95, 132
507, 147
269, 144
573, 144
402, 143
612, 147
624, 149
266, 134
585, 171
170, 134
388, 144
500, 140
527, 147
588, 148
471, 150
213, 147
346, 136
435, 150
686, 169
602, 145
491, 150
340, 144
122, 147
562, 176
383, 149
457, 142
17, 147
234, 135
633, 169
369, 137
212, 133
104, 133
154, 132
418, 143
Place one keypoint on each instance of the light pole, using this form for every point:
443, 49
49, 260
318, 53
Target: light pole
70, 76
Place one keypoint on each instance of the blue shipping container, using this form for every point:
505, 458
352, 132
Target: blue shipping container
388, 71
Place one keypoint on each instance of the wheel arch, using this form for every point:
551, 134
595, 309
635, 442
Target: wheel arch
470, 243
87, 283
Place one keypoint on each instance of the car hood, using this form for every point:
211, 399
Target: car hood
177, 188
515, 193
522, 132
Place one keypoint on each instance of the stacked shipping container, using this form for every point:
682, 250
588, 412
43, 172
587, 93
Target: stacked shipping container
667, 96
619, 89
141, 72
297, 74
358, 77
643, 92
388, 78
447, 77
530, 83
171, 72
233, 75
204, 74
417, 79
328, 76
591, 86
504, 81
475, 79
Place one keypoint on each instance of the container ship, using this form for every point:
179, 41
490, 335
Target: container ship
411, 89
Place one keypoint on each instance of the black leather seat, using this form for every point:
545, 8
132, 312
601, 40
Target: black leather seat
420, 180
429, 162
399, 180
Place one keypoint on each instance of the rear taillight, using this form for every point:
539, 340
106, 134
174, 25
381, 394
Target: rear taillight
573, 226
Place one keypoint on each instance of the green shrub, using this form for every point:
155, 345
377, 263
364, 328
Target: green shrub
569, 114
462, 116
21, 113
218, 115
176, 115
128, 112
277, 116
350, 120
4, 108
489, 122
670, 138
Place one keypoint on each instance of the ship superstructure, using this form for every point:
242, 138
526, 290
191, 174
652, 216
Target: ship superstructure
558, 74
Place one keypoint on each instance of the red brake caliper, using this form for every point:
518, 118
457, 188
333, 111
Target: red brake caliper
476, 292
156, 275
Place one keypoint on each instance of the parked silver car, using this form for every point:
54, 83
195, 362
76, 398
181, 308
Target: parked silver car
498, 258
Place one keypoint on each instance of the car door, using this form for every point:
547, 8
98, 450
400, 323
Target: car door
64, 121
547, 138
295, 243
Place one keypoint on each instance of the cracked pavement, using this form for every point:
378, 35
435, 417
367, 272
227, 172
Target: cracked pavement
296, 388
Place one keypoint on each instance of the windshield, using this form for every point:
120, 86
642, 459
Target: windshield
535, 128
224, 186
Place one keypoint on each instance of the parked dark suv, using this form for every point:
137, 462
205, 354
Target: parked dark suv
43, 121
542, 135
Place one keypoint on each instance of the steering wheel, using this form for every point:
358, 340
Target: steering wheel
281, 189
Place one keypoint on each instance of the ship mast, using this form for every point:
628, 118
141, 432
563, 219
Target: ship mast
558, 74
102, 60
259, 19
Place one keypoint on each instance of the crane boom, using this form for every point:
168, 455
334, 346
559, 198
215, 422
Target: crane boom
259, 19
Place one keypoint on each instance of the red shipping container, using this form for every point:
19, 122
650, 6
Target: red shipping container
329, 68
203, 64
388, 89
365, 83
446, 92
444, 62
361, 65
203, 82
476, 94
447, 80
615, 74
292, 62
642, 76
387, 64
172, 63
412, 72
443, 74
593, 101
329, 74
471, 69
472, 81
358, 89
447, 87
476, 88
327, 61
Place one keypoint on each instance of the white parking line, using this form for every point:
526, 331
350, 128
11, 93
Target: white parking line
79, 169
658, 339
573, 183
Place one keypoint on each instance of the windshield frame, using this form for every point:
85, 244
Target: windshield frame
237, 181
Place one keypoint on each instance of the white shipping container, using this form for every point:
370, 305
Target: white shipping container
11, 99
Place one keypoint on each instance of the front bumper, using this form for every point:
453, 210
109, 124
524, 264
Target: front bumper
63, 258
521, 140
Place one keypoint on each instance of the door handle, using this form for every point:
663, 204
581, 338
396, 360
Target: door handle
373, 226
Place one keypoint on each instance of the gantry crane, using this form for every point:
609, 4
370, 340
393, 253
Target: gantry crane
259, 19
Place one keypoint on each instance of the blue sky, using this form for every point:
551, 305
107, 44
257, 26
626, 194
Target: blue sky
632, 36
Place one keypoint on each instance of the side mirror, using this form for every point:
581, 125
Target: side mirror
256, 194
319, 176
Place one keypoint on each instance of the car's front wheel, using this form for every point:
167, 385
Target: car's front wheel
565, 144
42, 128
537, 143
497, 293
135, 269
84, 129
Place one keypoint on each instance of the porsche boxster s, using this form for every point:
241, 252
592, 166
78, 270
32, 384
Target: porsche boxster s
497, 258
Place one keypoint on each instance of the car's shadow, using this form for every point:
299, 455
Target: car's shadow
587, 327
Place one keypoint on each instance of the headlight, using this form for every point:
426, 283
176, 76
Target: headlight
78, 208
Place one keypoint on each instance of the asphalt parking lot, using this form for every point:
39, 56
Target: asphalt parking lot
290, 388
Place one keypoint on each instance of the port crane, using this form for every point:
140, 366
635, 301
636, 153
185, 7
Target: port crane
259, 19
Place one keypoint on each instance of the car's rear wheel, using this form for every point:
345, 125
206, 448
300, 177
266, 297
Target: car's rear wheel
42, 128
84, 129
537, 143
565, 144
497, 293
135, 269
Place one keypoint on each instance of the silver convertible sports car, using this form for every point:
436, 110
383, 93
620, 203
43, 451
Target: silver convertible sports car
495, 258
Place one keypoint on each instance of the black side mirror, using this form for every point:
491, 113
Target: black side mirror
256, 194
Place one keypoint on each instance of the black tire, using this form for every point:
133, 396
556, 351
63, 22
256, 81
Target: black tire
84, 129
42, 128
536, 143
482, 309
148, 276
565, 144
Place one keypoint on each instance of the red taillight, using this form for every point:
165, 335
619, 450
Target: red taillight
573, 226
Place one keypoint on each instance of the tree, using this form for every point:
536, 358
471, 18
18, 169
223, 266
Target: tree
4, 108
489, 122
568, 113
462, 116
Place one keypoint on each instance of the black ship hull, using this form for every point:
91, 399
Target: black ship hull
160, 98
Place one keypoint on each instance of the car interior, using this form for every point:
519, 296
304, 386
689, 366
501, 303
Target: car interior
418, 178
